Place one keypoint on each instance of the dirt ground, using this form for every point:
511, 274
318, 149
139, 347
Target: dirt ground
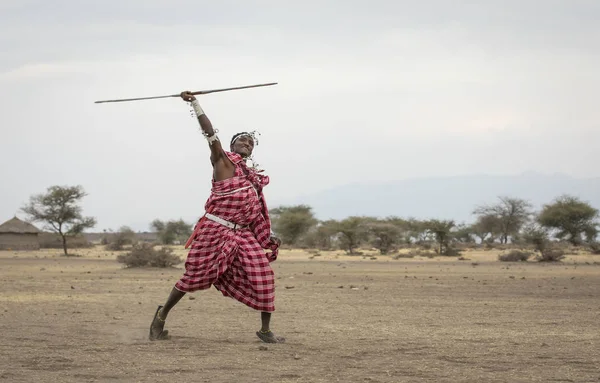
345, 319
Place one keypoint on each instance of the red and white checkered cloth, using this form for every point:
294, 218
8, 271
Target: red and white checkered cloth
234, 262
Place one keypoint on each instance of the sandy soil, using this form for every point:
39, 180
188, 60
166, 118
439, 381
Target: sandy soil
346, 319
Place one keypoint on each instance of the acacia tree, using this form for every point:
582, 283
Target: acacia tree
464, 233
385, 235
417, 230
171, 231
512, 214
58, 209
571, 217
442, 232
125, 236
486, 227
292, 222
403, 229
353, 231
321, 235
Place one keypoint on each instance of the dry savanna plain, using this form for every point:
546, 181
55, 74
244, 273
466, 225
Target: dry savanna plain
345, 319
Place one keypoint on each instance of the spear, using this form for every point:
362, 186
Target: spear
194, 93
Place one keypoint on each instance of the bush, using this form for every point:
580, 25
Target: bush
125, 236
114, 246
594, 247
426, 245
144, 254
414, 253
515, 256
551, 255
538, 237
404, 255
452, 251
356, 253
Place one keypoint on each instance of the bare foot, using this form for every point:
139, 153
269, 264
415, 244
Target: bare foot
156, 327
269, 337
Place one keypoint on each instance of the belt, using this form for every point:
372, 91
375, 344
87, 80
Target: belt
231, 225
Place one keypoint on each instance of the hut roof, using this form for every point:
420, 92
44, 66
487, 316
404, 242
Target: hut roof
15, 225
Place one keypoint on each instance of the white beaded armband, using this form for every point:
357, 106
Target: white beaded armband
197, 109
199, 112
212, 138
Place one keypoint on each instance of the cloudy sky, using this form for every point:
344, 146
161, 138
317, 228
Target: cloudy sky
368, 91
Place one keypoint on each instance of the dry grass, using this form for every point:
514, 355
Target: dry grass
347, 319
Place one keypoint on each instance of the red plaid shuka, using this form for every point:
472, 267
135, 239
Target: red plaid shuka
234, 261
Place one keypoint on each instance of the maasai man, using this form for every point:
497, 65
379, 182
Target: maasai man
230, 241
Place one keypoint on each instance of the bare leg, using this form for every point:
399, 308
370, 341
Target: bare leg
265, 334
173, 299
265, 319
158, 323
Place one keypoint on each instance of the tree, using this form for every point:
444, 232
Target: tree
512, 214
385, 235
158, 226
321, 235
441, 231
538, 236
59, 210
486, 226
172, 231
125, 236
353, 231
404, 228
464, 233
591, 233
571, 217
418, 231
292, 222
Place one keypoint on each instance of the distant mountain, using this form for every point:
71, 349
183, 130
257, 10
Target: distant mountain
445, 197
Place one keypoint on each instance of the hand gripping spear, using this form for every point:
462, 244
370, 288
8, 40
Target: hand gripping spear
194, 93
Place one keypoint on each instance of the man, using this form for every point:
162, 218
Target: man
229, 242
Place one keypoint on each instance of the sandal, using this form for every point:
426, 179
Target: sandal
269, 337
163, 334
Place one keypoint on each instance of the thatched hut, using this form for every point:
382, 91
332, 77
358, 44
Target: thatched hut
18, 235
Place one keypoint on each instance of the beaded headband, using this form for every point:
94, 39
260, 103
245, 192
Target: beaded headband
247, 134
253, 134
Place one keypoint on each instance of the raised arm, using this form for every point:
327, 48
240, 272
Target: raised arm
223, 167
216, 150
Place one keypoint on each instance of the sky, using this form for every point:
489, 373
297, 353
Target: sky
367, 91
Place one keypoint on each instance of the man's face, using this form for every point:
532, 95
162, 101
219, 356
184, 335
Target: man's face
243, 146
